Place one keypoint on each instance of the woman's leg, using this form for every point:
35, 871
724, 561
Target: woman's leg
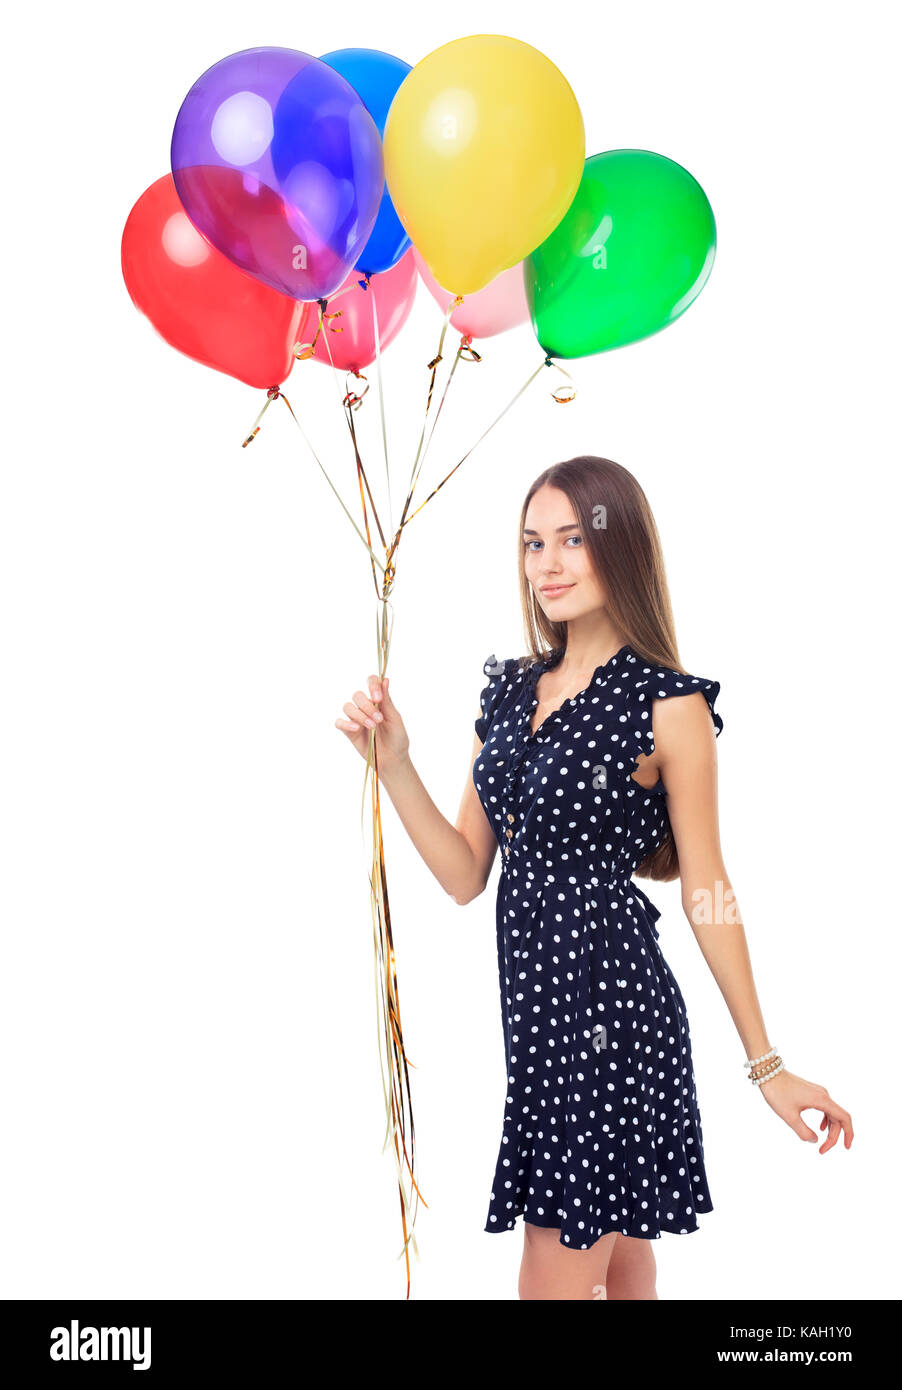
551, 1270
631, 1269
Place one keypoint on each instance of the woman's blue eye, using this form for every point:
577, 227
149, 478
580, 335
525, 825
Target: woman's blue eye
569, 538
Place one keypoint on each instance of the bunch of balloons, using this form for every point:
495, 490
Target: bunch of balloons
298, 183
298, 179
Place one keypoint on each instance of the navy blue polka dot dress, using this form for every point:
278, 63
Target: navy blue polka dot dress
602, 1130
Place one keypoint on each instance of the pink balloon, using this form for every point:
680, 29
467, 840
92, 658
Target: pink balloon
498, 306
354, 347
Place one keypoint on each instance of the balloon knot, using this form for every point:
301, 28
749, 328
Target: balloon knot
365, 283
273, 393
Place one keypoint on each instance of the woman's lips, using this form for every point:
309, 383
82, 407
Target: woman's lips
557, 590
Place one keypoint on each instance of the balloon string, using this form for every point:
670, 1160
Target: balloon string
304, 351
391, 524
399, 1106
393, 1059
463, 348
458, 357
363, 482
571, 389
397, 1095
271, 395
350, 397
347, 288
276, 392
350, 401
432, 367
547, 363
365, 540
341, 397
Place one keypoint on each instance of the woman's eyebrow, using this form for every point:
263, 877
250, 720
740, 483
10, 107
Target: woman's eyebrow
571, 526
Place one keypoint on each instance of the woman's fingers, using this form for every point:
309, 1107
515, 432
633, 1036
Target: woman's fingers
357, 715
832, 1136
840, 1123
362, 711
366, 709
835, 1120
379, 691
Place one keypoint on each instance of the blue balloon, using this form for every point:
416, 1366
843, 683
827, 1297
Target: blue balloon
375, 78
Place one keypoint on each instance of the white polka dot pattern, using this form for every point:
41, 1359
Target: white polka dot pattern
601, 1129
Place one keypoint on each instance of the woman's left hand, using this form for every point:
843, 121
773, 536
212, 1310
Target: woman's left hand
789, 1095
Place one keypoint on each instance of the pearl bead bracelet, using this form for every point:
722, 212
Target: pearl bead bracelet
756, 1060
771, 1070
761, 1069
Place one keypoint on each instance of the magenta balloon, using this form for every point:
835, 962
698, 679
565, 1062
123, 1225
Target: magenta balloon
498, 306
278, 163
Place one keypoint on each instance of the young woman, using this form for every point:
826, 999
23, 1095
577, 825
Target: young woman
587, 770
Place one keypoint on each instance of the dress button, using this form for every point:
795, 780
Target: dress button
509, 833
509, 816
507, 850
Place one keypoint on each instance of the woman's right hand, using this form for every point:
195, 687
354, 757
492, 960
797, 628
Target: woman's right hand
375, 711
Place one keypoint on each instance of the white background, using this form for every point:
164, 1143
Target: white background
191, 1096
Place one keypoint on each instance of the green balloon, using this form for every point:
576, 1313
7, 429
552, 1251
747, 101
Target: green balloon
631, 253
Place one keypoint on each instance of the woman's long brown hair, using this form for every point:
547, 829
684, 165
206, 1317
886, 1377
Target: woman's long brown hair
625, 550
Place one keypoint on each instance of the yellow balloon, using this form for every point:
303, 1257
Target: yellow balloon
484, 149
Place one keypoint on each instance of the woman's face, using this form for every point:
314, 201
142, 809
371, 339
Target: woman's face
555, 553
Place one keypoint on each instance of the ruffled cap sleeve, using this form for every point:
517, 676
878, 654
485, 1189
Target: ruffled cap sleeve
662, 682
499, 672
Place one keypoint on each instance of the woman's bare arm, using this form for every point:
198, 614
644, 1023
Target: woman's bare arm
459, 856
686, 757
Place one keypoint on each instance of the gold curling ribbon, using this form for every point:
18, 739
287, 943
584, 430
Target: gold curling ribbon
571, 389
394, 1062
303, 351
393, 1056
352, 398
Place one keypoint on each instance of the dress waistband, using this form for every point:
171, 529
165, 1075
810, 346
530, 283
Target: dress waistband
600, 879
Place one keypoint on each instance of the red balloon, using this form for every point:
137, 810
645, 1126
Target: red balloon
354, 346
199, 301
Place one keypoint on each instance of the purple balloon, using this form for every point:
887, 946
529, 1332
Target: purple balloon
278, 163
